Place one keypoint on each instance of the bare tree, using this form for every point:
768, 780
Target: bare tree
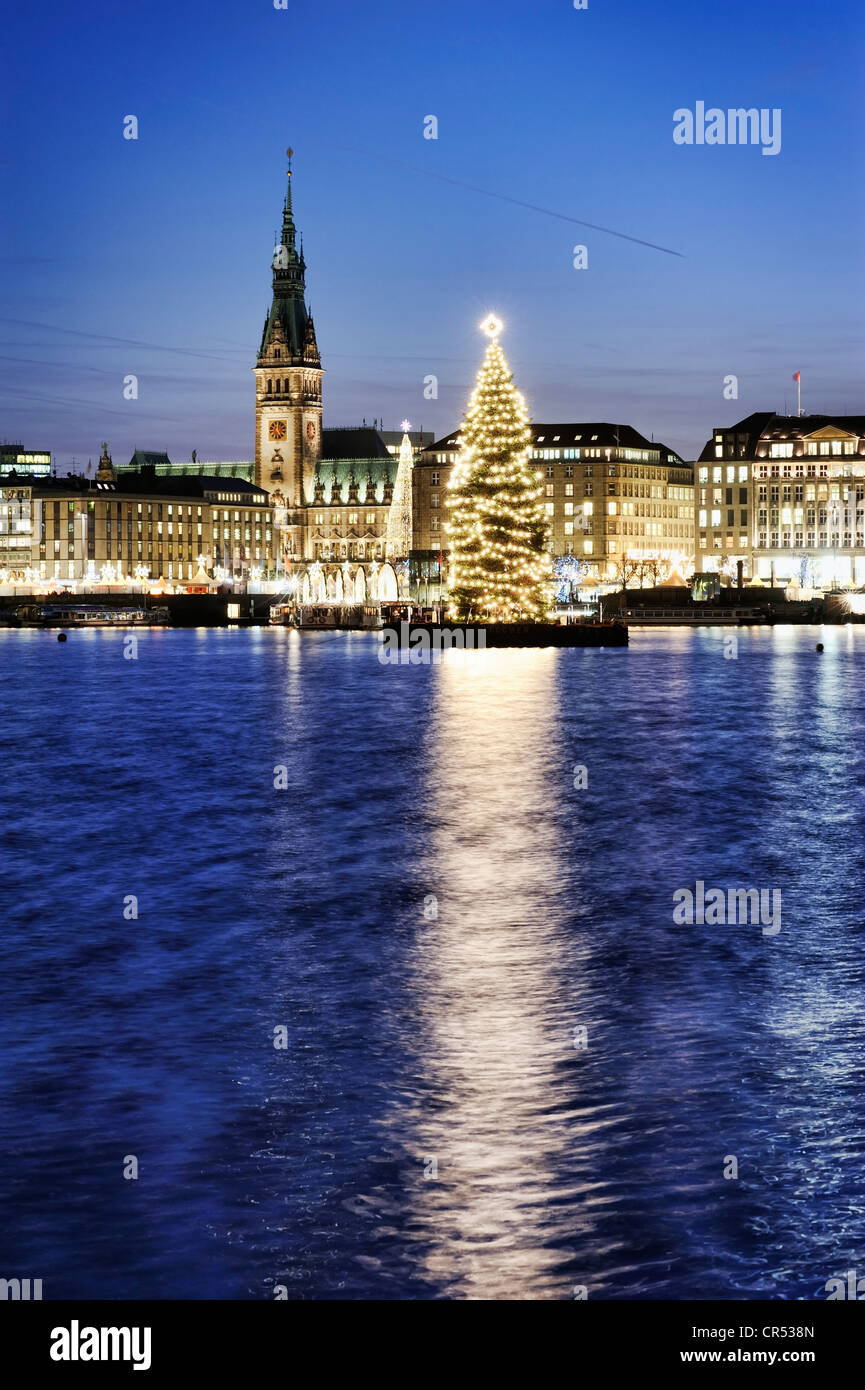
626, 569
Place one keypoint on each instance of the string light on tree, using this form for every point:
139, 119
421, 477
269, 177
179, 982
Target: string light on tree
499, 568
399, 521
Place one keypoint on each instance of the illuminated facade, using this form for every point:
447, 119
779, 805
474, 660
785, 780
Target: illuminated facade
331, 490
14, 458
786, 496
609, 496
67, 530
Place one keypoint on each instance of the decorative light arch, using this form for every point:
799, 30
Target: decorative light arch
387, 586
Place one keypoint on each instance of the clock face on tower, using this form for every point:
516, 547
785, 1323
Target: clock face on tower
277, 429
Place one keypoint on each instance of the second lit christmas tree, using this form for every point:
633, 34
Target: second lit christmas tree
498, 567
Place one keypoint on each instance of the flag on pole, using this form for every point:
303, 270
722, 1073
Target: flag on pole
797, 376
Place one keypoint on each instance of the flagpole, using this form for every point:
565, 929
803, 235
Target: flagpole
799, 393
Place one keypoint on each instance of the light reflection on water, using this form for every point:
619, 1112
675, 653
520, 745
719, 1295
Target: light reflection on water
412, 1039
497, 1001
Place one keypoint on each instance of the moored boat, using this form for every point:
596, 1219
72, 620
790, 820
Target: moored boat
89, 615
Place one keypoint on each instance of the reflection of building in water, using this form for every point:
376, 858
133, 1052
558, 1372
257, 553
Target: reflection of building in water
491, 1103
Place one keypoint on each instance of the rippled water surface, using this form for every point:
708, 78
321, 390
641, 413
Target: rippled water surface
430, 909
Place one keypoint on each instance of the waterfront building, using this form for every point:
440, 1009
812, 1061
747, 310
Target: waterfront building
331, 490
614, 500
785, 495
139, 524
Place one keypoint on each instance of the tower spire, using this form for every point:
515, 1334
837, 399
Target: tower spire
289, 230
288, 308
288, 375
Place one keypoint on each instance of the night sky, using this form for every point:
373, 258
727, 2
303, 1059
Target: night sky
153, 256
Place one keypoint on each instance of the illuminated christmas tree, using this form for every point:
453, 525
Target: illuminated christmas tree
498, 567
399, 520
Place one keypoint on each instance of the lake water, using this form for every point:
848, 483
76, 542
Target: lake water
431, 911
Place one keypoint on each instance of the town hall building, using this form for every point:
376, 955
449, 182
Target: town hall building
332, 491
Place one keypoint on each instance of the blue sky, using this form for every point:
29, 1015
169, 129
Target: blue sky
152, 257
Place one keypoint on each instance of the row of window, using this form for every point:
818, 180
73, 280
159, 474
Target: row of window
163, 510
791, 470
813, 447
351, 520
791, 516
349, 550
716, 517
809, 492
786, 540
677, 530
805, 540
717, 474
790, 448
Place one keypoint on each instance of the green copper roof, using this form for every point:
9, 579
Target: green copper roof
296, 334
335, 476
